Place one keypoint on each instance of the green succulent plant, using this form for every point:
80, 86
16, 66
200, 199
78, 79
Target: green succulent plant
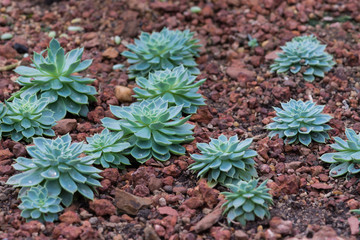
162, 50
347, 157
300, 121
53, 77
28, 117
37, 204
3, 111
152, 128
56, 165
247, 201
307, 52
106, 149
175, 86
252, 42
225, 160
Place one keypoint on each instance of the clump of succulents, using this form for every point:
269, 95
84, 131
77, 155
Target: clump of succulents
153, 129
247, 201
106, 149
37, 204
300, 121
304, 52
53, 77
347, 157
162, 50
225, 161
56, 165
28, 117
3, 111
175, 86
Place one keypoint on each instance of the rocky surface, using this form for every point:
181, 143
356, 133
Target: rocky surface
165, 200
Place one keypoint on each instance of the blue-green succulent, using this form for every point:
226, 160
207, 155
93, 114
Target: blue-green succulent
28, 117
225, 160
304, 53
107, 149
347, 157
152, 128
56, 165
53, 77
300, 121
175, 86
162, 50
247, 201
3, 111
37, 204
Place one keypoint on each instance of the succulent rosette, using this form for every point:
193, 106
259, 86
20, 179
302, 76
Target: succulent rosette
175, 86
55, 77
246, 201
153, 129
56, 165
162, 50
225, 160
37, 204
107, 149
28, 117
300, 121
347, 157
304, 52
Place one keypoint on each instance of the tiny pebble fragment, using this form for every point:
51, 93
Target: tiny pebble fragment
6, 36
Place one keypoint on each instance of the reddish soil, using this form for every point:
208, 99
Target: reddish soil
240, 92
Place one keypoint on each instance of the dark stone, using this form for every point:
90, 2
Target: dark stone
20, 48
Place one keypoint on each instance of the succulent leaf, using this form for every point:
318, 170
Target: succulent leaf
225, 160
56, 165
107, 149
162, 50
300, 121
52, 77
347, 158
152, 127
175, 86
26, 118
38, 204
3, 111
247, 201
307, 52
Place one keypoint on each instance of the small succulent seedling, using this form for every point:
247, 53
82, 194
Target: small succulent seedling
28, 117
106, 149
246, 201
347, 157
300, 121
162, 50
175, 86
152, 128
252, 42
304, 52
56, 165
53, 77
225, 161
37, 204
3, 111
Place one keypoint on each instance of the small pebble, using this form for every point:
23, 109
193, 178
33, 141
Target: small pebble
52, 34
75, 28
117, 40
6, 36
93, 220
195, 9
168, 188
162, 202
